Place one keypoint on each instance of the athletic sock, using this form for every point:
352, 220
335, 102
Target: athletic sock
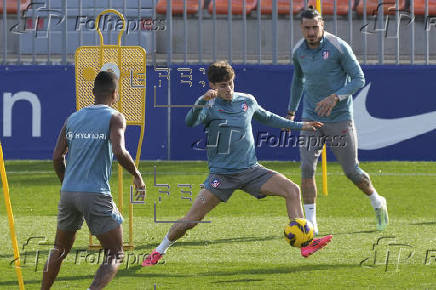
164, 245
310, 211
375, 199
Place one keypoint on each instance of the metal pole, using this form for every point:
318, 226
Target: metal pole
153, 33
139, 24
169, 115
109, 30
200, 33
274, 31
48, 34
364, 35
170, 33
397, 40
335, 17
96, 24
291, 30
169, 59
34, 22
80, 30
350, 22
259, 32
19, 25
412, 33
214, 30
229, 26
5, 34
64, 34
123, 40
380, 18
244, 32
185, 33
426, 33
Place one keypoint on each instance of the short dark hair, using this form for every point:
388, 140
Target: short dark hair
105, 83
310, 13
220, 71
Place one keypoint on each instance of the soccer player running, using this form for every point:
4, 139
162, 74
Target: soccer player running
90, 137
327, 71
231, 156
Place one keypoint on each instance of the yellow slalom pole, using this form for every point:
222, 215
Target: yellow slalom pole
11, 220
324, 152
324, 171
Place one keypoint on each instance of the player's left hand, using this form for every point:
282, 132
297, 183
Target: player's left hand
325, 106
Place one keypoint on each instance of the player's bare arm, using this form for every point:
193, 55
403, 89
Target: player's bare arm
117, 129
326, 105
59, 153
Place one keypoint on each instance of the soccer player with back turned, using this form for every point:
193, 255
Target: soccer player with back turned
231, 156
328, 73
88, 140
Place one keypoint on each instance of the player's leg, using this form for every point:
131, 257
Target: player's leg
309, 154
261, 182
202, 205
346, 153
279, 185
104, 221
112, 243
69, 220
63, 242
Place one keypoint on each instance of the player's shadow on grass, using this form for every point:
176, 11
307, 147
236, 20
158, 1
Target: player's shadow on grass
286, 269
89, 277
352, 233
217, 241
237, 281
139, 271
424, 223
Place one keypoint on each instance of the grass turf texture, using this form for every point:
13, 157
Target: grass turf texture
243, 246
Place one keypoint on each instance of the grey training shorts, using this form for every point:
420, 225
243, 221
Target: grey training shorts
99, 210
340, 137
250, 180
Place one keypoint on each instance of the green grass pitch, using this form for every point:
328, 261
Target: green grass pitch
242, 247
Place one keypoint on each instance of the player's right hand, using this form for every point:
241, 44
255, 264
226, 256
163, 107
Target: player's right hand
138, 182
210, 94
311, 126
289, 117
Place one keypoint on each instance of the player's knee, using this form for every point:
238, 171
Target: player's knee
114, 256
292, 189
358, 176
59, 252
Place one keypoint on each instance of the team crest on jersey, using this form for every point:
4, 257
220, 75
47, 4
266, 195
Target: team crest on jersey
215, 183
325, 54
244, 107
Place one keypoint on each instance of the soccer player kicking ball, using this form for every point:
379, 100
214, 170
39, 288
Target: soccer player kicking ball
231, 156
90, 136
